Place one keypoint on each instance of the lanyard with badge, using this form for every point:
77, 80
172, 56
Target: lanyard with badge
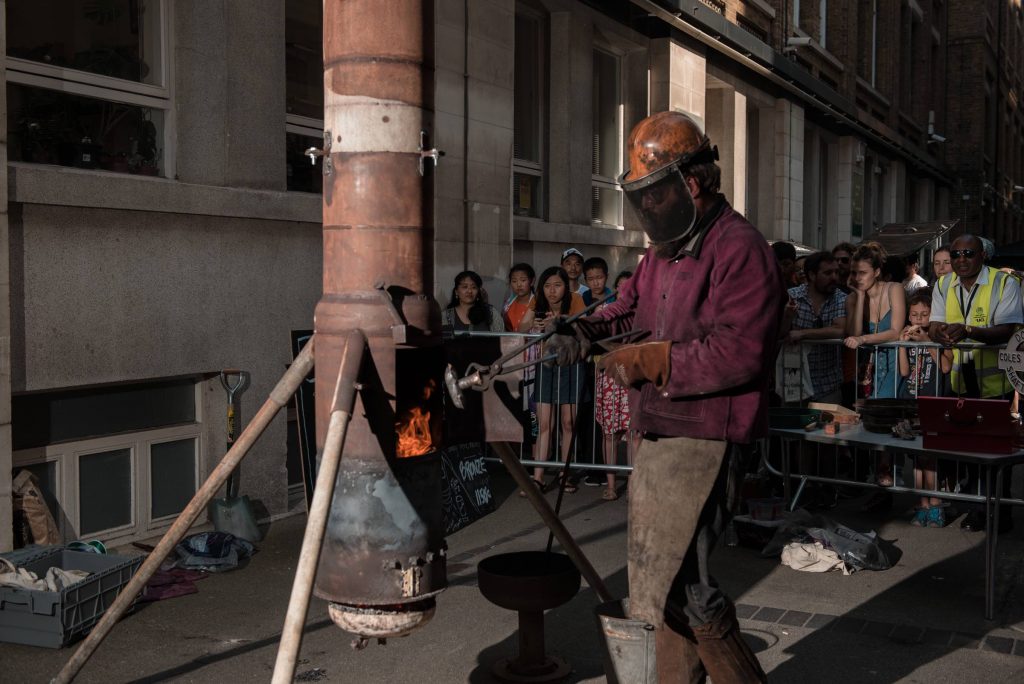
967, 357
970, 300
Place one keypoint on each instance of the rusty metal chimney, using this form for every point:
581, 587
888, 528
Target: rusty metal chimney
383, 554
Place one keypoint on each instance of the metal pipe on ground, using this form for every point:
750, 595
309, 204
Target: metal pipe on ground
316, 523
278, 398
572, 549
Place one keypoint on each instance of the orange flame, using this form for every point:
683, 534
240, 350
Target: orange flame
414, 437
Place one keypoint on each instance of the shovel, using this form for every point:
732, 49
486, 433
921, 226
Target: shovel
233, 514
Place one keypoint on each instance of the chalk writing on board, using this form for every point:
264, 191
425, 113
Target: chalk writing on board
467, 489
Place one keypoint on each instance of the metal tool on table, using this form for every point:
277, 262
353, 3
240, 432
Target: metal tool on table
233, 514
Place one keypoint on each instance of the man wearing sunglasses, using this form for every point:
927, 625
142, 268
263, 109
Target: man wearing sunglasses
843, 253
976, 303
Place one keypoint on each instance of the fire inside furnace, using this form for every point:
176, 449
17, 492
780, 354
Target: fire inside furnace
414, 429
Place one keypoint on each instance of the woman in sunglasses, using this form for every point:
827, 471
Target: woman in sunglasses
875, 313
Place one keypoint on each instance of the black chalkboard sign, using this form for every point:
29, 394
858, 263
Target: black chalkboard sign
467, 486
305, 411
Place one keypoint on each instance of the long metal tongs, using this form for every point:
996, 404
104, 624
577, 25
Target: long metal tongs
478, 376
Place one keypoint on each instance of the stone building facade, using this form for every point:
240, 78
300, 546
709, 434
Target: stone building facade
162, 222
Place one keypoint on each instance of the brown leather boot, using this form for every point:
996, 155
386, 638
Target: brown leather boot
677, 659
726, 657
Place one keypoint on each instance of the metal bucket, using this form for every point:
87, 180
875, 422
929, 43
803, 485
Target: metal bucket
628, 645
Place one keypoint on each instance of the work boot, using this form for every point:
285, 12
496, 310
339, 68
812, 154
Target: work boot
726, 657
677, 659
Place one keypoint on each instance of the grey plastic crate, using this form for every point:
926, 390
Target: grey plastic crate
55, 618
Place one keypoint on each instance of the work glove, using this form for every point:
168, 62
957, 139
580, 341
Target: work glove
634, 364
570, 341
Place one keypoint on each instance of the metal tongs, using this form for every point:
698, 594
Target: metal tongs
479, 376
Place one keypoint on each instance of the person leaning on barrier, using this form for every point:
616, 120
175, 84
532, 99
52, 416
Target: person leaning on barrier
820, 314
710, 294
976, 303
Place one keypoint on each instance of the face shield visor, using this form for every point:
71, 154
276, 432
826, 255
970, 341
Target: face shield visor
664, 207
661, 202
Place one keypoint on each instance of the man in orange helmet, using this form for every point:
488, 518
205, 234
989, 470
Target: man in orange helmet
709, 294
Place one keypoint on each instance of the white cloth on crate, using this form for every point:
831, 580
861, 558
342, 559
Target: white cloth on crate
812, 558
56, 579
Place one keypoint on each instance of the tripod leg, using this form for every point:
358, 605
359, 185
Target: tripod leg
319, 510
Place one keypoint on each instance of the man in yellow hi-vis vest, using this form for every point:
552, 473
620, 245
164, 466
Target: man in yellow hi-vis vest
976, 303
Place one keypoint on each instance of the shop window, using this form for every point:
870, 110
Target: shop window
105, 491
304, 93
113, 464
172, 467
528, 116
89, 90
606, 204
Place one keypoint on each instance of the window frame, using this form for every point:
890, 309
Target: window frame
66, 456
529, 167
33, 74
601, 181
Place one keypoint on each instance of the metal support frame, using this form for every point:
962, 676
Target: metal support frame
992, 499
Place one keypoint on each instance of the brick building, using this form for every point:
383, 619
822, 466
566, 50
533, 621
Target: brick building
985, 121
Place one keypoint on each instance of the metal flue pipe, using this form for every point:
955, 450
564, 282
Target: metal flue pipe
386, 558
375, 202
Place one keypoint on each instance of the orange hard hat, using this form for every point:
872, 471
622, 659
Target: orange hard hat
661, 143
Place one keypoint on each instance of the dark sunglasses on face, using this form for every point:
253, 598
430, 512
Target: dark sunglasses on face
967, 253
843, 260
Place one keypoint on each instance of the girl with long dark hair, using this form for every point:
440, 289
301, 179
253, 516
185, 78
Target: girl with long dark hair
555, 385
468, 308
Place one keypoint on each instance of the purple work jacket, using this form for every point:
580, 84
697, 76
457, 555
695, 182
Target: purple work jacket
720, 306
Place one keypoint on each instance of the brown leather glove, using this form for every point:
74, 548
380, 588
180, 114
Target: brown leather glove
634, 364
569, 343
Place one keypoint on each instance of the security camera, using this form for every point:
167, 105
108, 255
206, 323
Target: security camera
798, 41
935, 138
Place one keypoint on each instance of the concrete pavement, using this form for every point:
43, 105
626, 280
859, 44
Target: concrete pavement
919, 621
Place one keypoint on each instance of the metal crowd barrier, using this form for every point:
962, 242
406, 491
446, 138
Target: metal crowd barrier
588, 455
588, 450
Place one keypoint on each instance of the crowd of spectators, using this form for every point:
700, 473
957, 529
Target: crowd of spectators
858, 296
556, 397
865, 298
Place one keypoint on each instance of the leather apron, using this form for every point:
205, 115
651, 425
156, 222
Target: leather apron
671, 481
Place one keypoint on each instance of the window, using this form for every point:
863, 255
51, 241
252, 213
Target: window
304, 93
528, 116
90, 90
823, 23
606, 206
114, 463
867, 39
